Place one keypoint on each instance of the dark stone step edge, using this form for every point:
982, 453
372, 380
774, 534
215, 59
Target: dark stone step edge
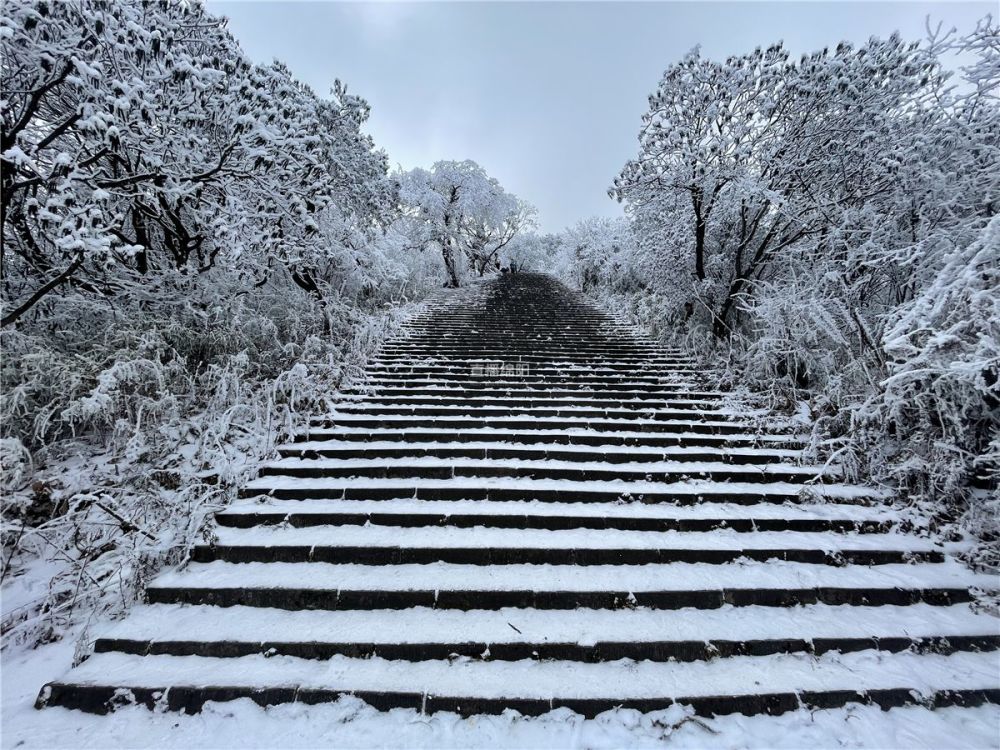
570, 474
659, 651
558, 496
552, 523
393, 555
100, 699
332, 599
523, 423
530, 438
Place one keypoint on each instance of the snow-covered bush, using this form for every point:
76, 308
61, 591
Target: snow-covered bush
936, 415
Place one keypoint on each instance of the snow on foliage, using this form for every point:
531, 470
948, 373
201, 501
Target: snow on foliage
826, 227
463, 213
195, 253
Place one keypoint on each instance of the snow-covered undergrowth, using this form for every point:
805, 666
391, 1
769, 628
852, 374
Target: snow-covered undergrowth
119, 446
824, 233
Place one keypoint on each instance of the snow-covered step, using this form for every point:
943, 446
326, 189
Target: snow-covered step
465, 400
749, 684
430, 467
343, 449
530, 422
397, 408
693, 491
566, 367
624, 362
564, 437
777, 583
577, 635
721, 539
549, 397
569, 373
564, 387
409, 512
498, 396
383, 545
542, 353
461, 379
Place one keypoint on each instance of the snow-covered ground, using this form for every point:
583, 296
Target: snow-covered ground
350, 723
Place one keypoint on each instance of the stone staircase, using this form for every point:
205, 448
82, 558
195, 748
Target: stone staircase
531, 506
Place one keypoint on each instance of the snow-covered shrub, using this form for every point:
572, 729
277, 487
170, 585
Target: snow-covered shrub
936, 416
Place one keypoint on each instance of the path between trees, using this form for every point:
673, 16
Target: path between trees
530, 505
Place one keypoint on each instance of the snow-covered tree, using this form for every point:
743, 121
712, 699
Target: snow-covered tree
194, 252
831, 220
529, 251
141, 146
462, 212
766, 153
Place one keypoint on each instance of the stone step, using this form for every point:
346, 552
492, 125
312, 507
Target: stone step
410, 513
551, 318
292, 598
534, 393
374, 545
526, 341
420, 633
568, 370
692, 492
606, 440
463, 379
775, 583
432, 468
101, 699
537, 353
512, 402
345, 450
569, 411
528, 422
573, 357
512, 343
302, 519
396, 555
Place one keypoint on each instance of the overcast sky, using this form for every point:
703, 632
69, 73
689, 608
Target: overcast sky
546, 96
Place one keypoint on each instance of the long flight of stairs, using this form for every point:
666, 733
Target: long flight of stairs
527, 506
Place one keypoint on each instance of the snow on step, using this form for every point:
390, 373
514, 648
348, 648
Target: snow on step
471, 409
319, 433
719, 511
683, 467
162, 622
793, 673
640, 454
775, 574
692, 488
332, 536
581, 421
556, 394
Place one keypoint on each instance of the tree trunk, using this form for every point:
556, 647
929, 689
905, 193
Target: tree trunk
448, 254
699, 236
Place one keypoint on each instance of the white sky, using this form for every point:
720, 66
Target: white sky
546, 96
